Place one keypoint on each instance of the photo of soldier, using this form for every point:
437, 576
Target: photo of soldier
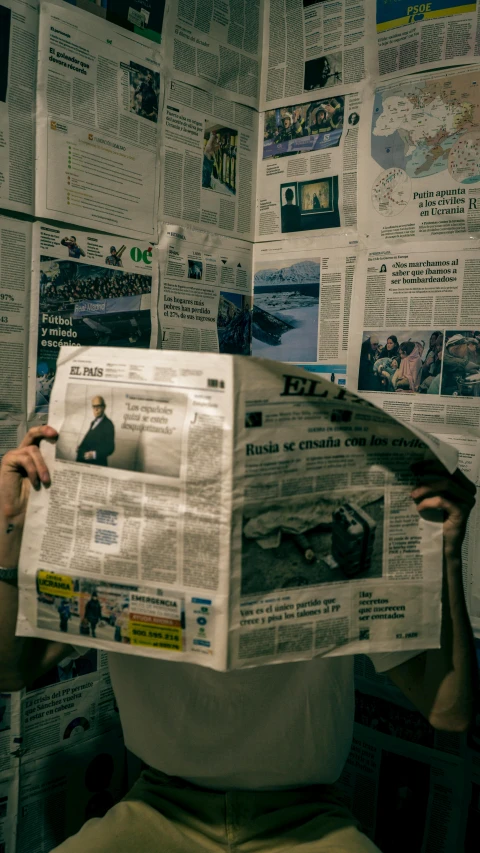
303, 127
144, 91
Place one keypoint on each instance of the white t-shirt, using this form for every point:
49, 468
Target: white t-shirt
269, 727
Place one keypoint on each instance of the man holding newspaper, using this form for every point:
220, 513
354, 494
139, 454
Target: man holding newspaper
251, 756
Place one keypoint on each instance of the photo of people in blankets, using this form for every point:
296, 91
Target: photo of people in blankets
323, 72
407, 361
89, 306
219, 169
303, 127
461, 363
144, 91
304, 543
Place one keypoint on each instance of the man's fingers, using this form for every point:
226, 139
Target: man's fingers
37, 433
447, 487
433, 468
439, 502
30, 460
42, 470
28, 464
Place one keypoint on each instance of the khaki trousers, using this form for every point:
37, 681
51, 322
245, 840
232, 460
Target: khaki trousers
163, 814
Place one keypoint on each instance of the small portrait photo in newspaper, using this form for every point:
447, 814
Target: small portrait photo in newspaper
327, 539
132, 428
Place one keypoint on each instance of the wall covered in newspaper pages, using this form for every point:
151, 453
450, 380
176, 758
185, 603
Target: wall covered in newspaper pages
265, 177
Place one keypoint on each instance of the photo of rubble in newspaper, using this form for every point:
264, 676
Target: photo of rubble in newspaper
293, 544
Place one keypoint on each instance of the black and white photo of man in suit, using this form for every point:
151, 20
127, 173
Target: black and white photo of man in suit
99, 442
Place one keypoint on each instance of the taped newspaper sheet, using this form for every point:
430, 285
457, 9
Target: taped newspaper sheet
228, 496
311, 46
307, 167
15, 262
403, 777
417, 36
420, 175
415, 333
205, 300
18, 63
73, 699
57, 796
218, 46
210, 155
87, 288
301, 303
98, 102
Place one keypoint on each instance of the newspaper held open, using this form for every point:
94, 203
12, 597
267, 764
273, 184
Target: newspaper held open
201, 502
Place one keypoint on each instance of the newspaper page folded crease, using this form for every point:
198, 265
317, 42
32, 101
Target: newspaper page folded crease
201, 501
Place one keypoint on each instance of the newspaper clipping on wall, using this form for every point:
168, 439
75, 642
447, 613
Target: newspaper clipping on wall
205, 297
403, 779
307, 167
56, 796
421, 170
216, 45
15, 256
86, 290
417, 36
98, 99
210, 158
301, 303
415, 343
311, 45
18, 64
228, 497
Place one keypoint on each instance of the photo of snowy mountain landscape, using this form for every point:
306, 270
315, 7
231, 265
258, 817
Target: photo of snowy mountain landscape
285, 311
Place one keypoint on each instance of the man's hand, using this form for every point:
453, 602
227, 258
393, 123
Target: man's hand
22, 469
90, 454
22, 659
443, 683
454, 494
